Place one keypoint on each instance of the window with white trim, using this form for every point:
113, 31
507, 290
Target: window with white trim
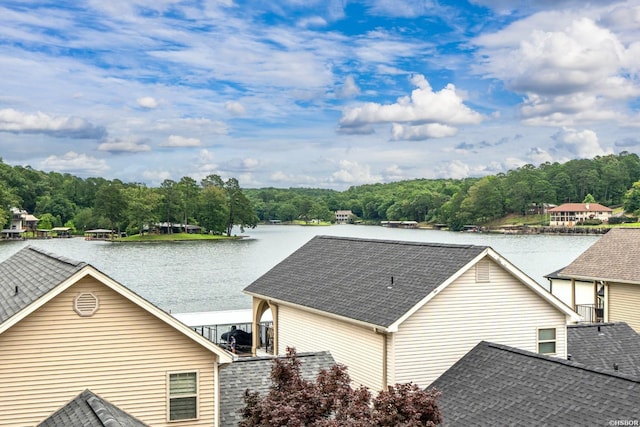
547, 341
183, 396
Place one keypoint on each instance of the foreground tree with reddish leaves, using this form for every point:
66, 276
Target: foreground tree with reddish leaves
330, 401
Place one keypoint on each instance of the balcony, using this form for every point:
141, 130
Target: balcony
591, 313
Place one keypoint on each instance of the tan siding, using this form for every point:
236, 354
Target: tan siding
502, 311
121, 353
359, 348
624, 300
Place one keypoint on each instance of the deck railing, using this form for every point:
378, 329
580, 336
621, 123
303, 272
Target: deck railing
591, 313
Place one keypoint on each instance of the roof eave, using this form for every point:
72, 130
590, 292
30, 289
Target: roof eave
379, 328
597, 279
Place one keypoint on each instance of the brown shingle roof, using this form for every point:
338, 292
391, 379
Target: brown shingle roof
614, 257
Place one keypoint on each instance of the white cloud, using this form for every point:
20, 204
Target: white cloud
569, 68
444, 108
240, 165
538, 156
40, 123
147, 102
455, 169
354, 173
235, 108
583, 144
75, 163
156, 177
181, 141
313, 21
349, 88
124, 146
421, 132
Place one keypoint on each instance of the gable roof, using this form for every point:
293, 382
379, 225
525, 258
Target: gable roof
613, 257
32, 276
374, 282
605, 345
254, 373
28, 275
500, 385
581, 207
89, 410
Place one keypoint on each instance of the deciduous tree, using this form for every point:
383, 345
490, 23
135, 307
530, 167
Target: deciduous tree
331, 401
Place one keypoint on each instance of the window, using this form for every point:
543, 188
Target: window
183, 396
547, 341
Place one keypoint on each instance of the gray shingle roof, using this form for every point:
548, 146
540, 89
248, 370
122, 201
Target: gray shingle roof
499, 385
373, 281
32, 272
605, 344
90, 410
255, 374
614, 257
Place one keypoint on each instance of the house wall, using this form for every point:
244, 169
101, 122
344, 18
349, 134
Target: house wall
584, 292
503, 310
570, 218
359, 348
623, 303
121, 353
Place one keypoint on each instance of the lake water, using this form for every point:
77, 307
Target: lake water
210, 275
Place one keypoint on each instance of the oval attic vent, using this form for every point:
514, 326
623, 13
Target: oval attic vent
85, 304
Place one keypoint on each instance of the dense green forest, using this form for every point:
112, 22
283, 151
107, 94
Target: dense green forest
66, 200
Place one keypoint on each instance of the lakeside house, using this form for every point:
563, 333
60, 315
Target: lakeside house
384, 308
571, 214
610, 267
21, 224
66, 327
343, 216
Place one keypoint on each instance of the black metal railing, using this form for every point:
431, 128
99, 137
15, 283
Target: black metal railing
591, 313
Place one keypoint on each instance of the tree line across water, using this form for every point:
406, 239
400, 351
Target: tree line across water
217, 205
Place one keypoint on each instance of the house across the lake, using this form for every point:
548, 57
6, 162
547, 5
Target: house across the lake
343, 216
572, 214
397, 312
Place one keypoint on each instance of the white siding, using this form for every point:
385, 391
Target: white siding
584, 292
121, 353
359, 348
503, 311
624, 304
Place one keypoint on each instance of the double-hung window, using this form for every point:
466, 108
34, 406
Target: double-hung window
183, 396
547, 341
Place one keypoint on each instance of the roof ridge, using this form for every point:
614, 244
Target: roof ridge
63, 259
565, 362
401, 242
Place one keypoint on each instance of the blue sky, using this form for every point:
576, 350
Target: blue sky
315, 93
